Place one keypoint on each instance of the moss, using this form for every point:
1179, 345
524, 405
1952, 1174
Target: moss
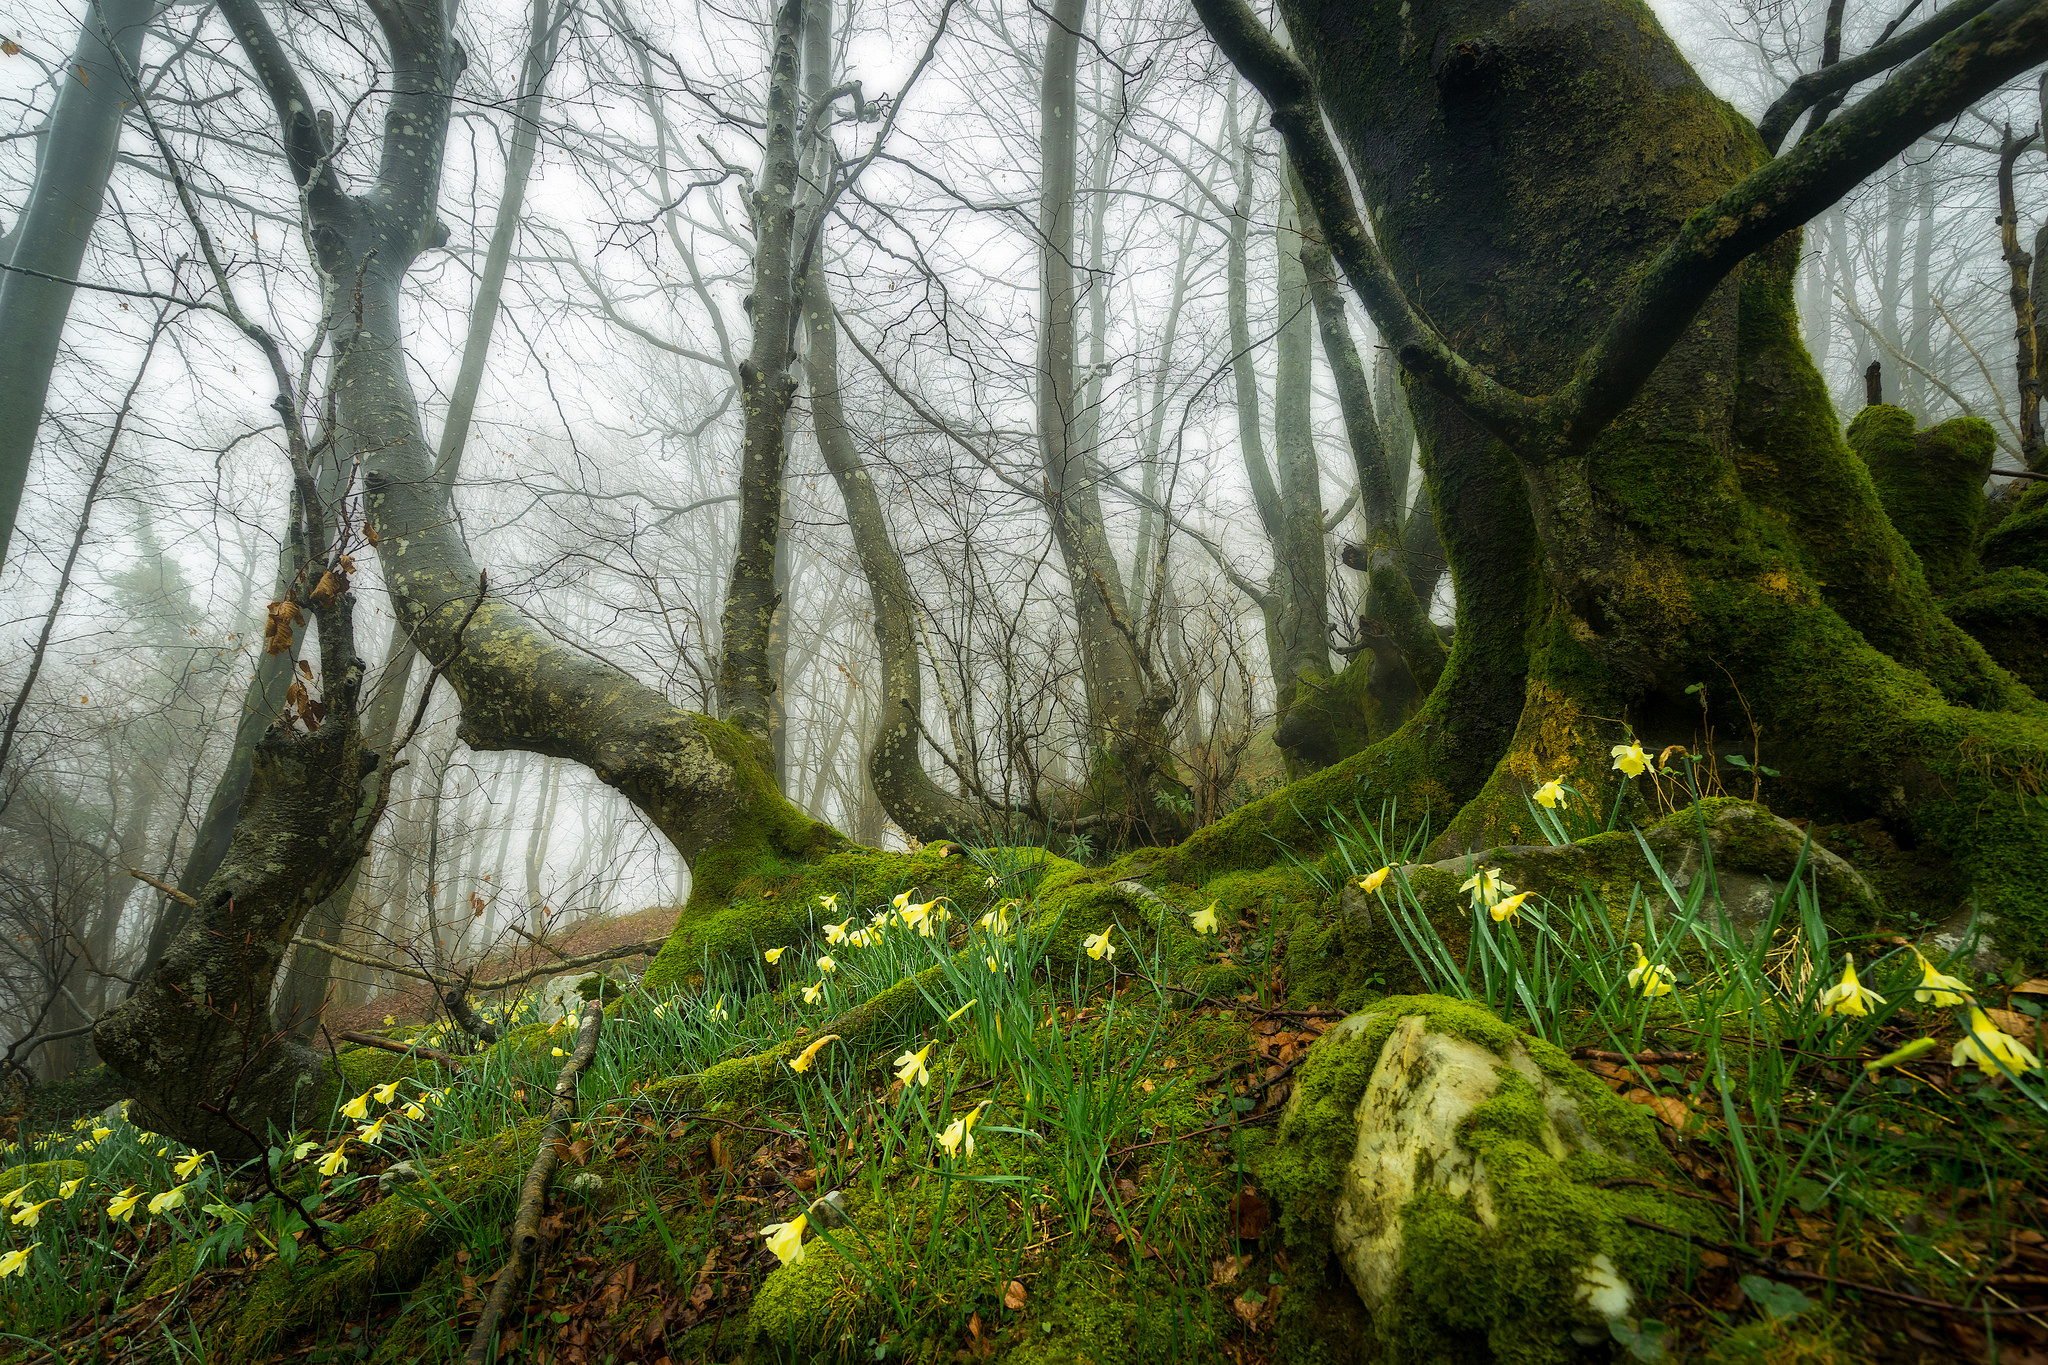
1931, 484
889, 1013
1504, 1287
393, 1244
2006, 611
44, 1174
2019, 539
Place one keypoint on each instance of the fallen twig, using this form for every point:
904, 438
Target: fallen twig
1643, 1058
402, 1049
173, 892
533, 1191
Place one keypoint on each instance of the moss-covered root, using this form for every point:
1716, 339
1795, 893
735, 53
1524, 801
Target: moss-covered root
1457, 1174
1932, 485
2006, 611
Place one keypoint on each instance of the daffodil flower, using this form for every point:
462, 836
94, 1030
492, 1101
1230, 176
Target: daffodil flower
300, 1152
902, 899
1937, 989
334, 1163
717, 1011
1509, 907
173, 1198
1204, 921
829, 901
102, 1134
1650, 980
786, 1240
910, 1067
811, 993
390, 1021
1985, 1044
958, 1139
997, 921
122, 1205
804, 1059
955, 1015
1372, 881
189, 1167
1849, 996
13, 1196
773, 955
1551, 794
414, 1112
557, 1052
30, 1214
994, 966
357, 1108
69, 1188
1099, 946
836, 933
1629, 758
373, 1133
826, 966
1487, 888
13, 1262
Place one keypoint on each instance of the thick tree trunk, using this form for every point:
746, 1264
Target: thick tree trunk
1718, 531
1130, 763
77, 156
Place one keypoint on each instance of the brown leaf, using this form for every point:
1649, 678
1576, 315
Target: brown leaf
1248, 1306
370, 534
579, 1151
1013, 1295
1249, 1215
277, 628
2014, 1023
720, 1157
10, 47
330, 586
1223, 1270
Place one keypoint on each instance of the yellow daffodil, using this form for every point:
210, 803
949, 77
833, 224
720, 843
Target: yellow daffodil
1204, 921
390, 1021
829, 901
102, 1134
557, 1052
786, 1240
300, 1152
69, 1188
917, 917
414, 1112
1551, 794
1629, 758
1487, 888
1650, 980
30, 1214
902, 900
1508, 907
717, 1011
1099, 946
1849, 996
997, 921
993, 965
187, 1168
334, 1163
958, 1139
1937, 989
810, 1054
826, 966
774, 955
836, 933
1986, 1045
954, 1017
357, 1108
1372, 881
122, 1205
13, 1262
1919, 1047
811, 993
373, 1133
910, 1067
13, 1196
173, 1198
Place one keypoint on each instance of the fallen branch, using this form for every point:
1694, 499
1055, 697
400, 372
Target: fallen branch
1580, 1054
533, 1191
646, 948
402, 1049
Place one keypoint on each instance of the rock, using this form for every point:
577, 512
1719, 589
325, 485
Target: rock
403, 1173
584, 1182
1458, 1172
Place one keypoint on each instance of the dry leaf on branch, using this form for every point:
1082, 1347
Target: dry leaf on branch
277, 629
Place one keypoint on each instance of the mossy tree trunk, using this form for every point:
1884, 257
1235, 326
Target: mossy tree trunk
1683, 510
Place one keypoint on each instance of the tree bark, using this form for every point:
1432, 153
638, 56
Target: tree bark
77, 156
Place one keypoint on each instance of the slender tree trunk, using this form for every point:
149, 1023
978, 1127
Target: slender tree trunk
77, 156
1301, 573
1129, 763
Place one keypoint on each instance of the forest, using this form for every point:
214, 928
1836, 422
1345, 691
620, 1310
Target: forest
1061, 683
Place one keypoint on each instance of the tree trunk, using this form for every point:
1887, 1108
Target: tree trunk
1301, 571
1129, 763
77, 156
1717, 532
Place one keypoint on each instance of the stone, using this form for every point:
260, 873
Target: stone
402, 1173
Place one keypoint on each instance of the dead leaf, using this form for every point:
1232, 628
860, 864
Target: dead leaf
1249, 1306
720, 1157
2036, 986
330, 586
1013, 1295
1224, 1270
10, 47
370, 534
1249, 1215
1669, 1109
2014, 1023
277, 629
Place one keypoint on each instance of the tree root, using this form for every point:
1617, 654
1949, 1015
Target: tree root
533, 1191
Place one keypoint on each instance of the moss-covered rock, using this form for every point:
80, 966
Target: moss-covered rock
1464, 1178
2019, 539
39, 1176
2006, 611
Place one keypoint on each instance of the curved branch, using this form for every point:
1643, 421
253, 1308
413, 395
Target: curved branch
1809, 89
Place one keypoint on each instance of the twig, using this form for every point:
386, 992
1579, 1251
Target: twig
402, 1049
173, 892
645, 948
533, 1192
1599, 1055
1212, 1128
1785, 1272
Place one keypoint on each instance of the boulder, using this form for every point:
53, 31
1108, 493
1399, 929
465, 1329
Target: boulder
1473, 1187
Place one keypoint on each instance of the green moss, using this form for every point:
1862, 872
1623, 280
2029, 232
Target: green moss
39, 1176
2006, 611
393, 1244
1931, 484
2019, 539
1504, 1286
